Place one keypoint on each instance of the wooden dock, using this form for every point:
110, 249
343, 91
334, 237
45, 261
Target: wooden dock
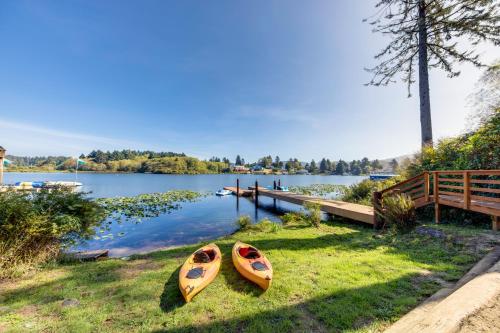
89, 255
348, 210
241, 192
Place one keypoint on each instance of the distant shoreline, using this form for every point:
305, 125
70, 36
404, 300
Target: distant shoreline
177, 174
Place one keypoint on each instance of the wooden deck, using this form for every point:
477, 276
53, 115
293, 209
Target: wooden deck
473, 190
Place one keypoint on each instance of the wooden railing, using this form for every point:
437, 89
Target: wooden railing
474, 190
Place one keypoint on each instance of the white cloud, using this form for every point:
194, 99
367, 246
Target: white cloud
28, 139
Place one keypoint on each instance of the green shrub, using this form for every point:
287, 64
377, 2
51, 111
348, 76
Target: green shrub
476, 150
34, 226
293, 218
399, 212
362, 192
313, 213
266, 225
244, 222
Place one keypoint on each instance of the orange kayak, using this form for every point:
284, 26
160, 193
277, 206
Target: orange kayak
199, 270
252, 264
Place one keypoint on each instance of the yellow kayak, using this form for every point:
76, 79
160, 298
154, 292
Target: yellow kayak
199, 270
252, 264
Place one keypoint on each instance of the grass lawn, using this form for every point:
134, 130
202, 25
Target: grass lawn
335, 278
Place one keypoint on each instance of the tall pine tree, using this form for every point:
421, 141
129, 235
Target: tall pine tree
426, 33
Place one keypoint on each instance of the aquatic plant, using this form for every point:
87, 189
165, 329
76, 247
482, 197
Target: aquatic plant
148, 205
320, 190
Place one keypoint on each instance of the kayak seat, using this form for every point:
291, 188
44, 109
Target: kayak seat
195, 273
249, 252
259, 266
204, 256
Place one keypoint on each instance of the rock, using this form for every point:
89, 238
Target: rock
70, 303
431, 232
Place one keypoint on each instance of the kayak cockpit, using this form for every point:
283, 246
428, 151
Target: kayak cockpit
204, 256
249, 252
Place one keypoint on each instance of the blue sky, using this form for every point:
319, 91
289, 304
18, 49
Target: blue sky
208, 78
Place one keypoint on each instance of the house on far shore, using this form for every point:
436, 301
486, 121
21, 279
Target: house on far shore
260, 170
240, 169
302, 172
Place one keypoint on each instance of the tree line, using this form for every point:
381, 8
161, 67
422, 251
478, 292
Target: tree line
179, 163
325, 166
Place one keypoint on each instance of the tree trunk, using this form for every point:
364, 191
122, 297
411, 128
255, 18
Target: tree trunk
423, 78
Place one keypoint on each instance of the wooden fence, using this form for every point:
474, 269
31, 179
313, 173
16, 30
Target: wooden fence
473, 190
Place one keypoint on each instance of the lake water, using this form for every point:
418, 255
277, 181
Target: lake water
205, 219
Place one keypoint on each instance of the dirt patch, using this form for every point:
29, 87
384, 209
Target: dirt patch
484, 242
36, 278
28, 311
426, 275
310, 322
484, 320
134, 268
362, 322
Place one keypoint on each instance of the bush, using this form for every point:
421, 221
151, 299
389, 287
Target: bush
34, 226
314, 213
477, 150
399, 212
244, 222
293, 218
362, 192
267, 225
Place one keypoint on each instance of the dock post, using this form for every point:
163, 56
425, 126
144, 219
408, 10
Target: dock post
2, 156
437, 212
496, 223
1, 170
256, 193
274, 185
279, 182
377, 209
237, 187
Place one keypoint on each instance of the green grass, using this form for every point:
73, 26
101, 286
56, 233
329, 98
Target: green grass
333, 278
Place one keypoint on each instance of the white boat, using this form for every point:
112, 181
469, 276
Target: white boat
61, 183
223, 192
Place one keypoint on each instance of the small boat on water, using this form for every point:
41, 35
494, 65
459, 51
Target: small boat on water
47, 184
252, 264
282, 188
223, 192
24, 185
381, 176
199, 270
62, 183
